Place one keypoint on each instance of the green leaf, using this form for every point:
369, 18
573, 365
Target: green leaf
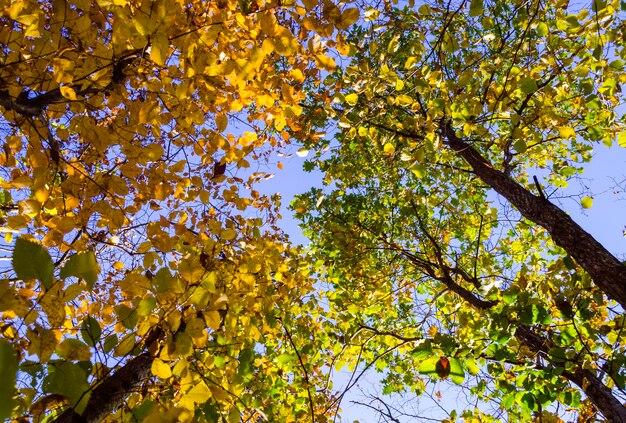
557, 354
83, 266
586, 202
90, 331
284, 359
429, 366
423, 350
110, 342
211, 411
67, 379
5, 197
476, 8
457, 374
527, 401
8, 373
126, 316
508, 401
542, 29
471, 366
528, 85
140, 413
418, 170
32, 261
145, 306
520, 146
569, 263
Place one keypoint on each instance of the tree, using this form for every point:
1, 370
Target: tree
147, 276
446, 109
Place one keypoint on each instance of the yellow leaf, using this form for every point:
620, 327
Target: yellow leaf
68, 92
31, 22
325, 62
267, 46
352, 99
309, 4
200, 393
265, 100
297, 75
222, 122
126, 345
247, 138
410, 62
153, 152
348, 17
30, 207
389, 149
285, 43
73, 349
212, 319
228, 234
160, 48
62, 71
144, 24
404, 100
43, 342
566, 132
160, 369
432, 331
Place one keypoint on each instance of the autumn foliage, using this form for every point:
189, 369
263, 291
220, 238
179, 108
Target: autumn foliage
457, 127
145, 275
147, 279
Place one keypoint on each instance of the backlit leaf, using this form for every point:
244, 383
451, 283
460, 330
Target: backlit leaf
90, 331
32, 261
161, 369
352, 99
83, 266
586, 202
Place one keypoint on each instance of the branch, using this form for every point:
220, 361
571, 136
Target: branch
606, 270
306, 374
35, 106
601, 396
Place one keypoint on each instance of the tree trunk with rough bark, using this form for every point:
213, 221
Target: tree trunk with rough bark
607, 272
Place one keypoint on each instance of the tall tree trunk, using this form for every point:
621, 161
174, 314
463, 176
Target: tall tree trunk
607, 272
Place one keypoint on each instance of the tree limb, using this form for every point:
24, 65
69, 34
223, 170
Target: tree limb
606, 270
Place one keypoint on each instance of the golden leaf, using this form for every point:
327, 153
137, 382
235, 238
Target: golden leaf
68, 92
161, 369
160, 48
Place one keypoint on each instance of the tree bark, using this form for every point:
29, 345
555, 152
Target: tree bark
606, 270
35, 106
110, 394
601, 396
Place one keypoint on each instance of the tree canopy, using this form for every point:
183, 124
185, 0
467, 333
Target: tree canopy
146, 274
456, 127
147, 277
